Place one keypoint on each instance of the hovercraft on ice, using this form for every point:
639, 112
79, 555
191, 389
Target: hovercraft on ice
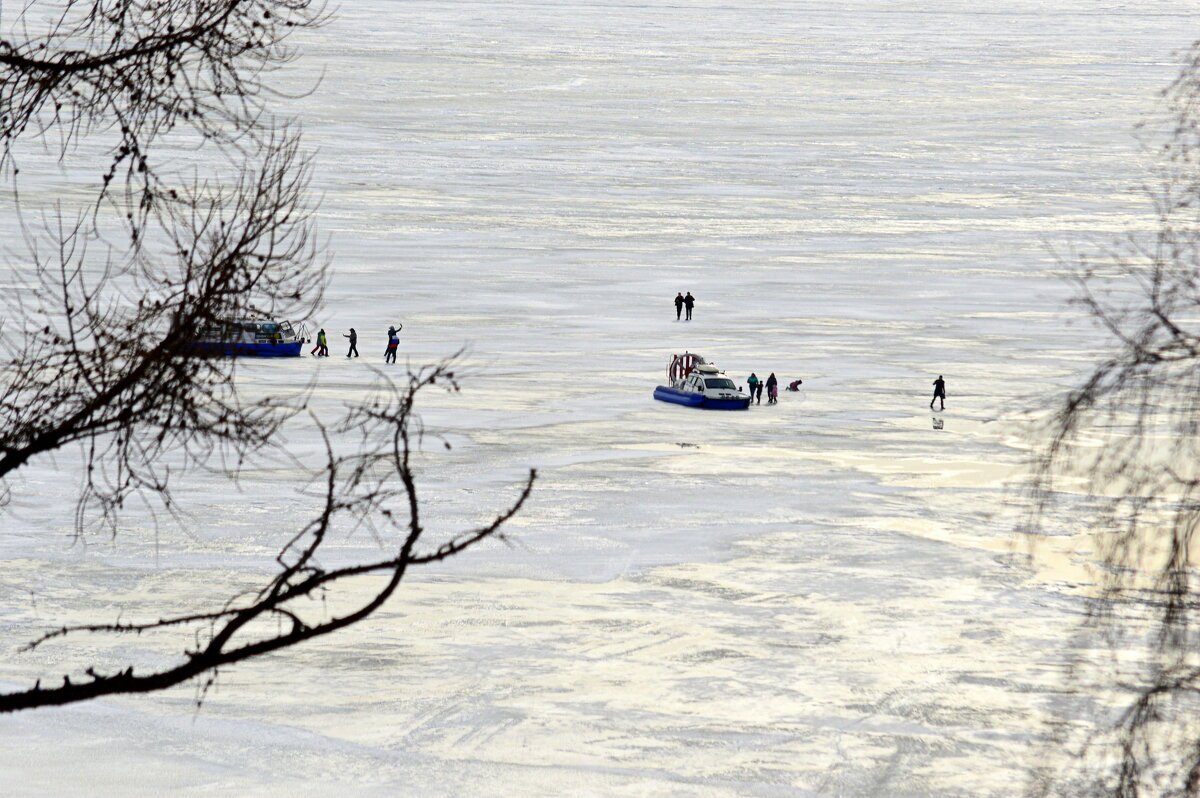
250, 338
696, 383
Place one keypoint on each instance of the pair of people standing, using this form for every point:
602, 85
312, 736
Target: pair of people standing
682, 302
322, 347
757, 385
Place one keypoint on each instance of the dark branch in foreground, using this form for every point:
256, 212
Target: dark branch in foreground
376, 485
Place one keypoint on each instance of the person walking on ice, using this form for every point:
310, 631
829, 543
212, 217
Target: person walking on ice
772, 389
353, 336
389, 356
678, 306
688, 302
939, 393
322, 347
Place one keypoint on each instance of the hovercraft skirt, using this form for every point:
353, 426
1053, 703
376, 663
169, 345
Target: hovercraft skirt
689, 399
245, 349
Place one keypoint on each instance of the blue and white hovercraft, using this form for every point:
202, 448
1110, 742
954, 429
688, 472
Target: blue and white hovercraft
696, 383
250, 338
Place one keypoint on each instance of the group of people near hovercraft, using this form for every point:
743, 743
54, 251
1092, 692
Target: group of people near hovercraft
771, 383
755, 385
389, 354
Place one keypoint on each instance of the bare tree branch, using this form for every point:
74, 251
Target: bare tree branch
354, 488
1128, 434
98, 353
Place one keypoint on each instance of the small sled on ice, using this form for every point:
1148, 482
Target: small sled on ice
694, 382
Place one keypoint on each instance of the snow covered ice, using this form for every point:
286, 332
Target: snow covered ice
820, 598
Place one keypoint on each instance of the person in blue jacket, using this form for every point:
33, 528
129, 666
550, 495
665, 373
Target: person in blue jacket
751, 384
389, 356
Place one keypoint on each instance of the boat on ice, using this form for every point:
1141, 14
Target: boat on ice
695, 382
250, 338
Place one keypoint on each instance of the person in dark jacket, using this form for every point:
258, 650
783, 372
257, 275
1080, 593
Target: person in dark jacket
758, 392
794, 385
772, 389
353, 336
678, 306
389, 356
688, 302
939, 393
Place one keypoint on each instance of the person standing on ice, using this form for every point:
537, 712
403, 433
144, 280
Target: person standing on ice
772, 389
688, 302
389, 356
758, 392
353, 336
752, 383
678, 306
322, 347
939, 393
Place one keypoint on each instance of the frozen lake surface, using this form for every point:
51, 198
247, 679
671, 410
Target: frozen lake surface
824, 597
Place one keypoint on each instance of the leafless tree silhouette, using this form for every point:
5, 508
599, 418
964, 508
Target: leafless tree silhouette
1123, 460
123, 262
374, 486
